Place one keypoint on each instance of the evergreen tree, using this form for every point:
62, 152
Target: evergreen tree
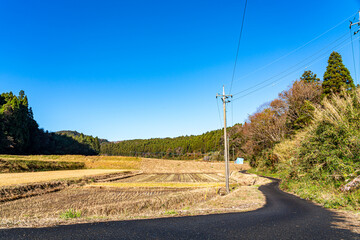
20, 134
337, 76
309, 77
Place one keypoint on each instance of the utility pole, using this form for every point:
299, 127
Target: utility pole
357, 23
353, 24
226, 153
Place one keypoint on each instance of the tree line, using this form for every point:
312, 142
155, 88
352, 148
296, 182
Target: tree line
184, 147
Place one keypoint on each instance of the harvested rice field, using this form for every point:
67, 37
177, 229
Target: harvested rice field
8, 179
93, 162
176, 177
169, 180
155, 185
150, 165
120, 188
133, 200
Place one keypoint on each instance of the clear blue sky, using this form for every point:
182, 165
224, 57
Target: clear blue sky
142, 69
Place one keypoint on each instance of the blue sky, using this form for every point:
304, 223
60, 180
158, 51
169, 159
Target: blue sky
143, 69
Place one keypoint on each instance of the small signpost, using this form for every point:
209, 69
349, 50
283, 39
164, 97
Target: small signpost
239, 161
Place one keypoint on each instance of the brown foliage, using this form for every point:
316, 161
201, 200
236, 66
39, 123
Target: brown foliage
275, 120
295, 97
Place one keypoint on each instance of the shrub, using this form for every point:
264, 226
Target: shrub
71, 213
331, 150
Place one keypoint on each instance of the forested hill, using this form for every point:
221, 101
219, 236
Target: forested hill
184, 147
20, 133
92, 142
77, 135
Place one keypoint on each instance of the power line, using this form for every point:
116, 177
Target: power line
278, 80
218, 138
238, 47
295, 50
353, 55
319, 51
232, 114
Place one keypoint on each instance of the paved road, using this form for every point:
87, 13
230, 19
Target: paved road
283, 217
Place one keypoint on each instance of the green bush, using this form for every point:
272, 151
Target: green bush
331, 150
71, 213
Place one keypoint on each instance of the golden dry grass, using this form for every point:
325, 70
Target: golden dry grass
150, 165
349, 220
92, 162
245, 198
8, 179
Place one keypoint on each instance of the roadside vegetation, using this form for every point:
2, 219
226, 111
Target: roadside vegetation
309, 137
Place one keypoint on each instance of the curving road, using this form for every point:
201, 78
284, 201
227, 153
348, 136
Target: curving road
283, 217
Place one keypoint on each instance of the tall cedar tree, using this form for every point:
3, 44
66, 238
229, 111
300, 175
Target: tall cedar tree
337, 76
309, 77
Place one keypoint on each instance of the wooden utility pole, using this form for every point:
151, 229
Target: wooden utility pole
226, 150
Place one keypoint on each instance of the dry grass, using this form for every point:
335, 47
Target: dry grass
95, 204
347, 220
248, 179
8, 179
150, 165
246, 198
98, 162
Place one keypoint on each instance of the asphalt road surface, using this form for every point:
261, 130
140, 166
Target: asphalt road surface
283, 217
